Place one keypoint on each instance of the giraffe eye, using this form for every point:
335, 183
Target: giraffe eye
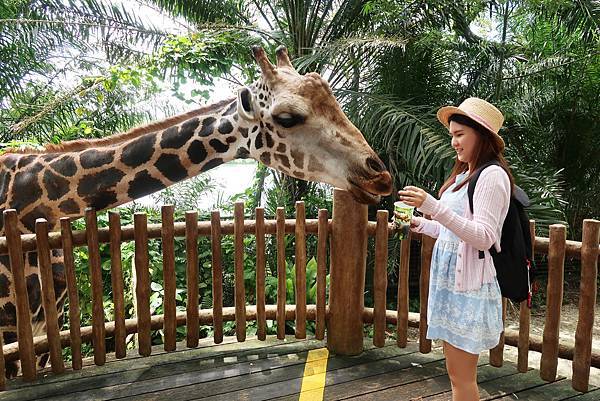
288, 120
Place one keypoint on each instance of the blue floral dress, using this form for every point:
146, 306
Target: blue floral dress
468, 320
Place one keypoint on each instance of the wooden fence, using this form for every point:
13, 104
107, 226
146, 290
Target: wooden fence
344, 315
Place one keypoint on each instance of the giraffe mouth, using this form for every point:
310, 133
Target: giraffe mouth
361, 195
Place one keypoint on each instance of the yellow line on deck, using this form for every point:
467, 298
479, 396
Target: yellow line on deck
313, 382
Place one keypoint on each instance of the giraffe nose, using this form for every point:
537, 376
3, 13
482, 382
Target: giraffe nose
375, 164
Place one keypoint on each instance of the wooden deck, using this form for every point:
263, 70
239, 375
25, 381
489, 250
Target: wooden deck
274, 369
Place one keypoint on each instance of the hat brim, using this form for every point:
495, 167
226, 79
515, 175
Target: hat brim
444, 113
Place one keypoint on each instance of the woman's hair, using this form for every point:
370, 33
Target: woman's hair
489, 147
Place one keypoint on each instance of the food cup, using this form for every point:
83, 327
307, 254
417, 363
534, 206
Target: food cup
403, 214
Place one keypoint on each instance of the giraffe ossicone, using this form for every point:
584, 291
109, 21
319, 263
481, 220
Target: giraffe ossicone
288, 121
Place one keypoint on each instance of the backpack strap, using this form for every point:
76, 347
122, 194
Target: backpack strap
471, 188
474, 178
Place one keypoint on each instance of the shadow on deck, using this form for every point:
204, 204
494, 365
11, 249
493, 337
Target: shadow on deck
274, 369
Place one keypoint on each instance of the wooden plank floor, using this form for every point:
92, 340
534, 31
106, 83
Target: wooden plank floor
274, 370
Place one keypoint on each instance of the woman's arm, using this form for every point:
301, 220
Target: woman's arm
427, 227
490, 201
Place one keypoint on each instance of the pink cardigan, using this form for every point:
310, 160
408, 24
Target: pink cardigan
477, 231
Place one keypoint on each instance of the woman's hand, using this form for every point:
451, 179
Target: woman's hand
415, 222
412, 196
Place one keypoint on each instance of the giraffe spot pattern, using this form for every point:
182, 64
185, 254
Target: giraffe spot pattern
219, 146
32, 258
242, 153
298, 158
259, 141
225, 126
170, 166
265, 158
207, 126
298, 174
102, 200
59, 277
139, 151
34, 292
281, 147
43, 360
98, 189
4, 286
187, 130
25, 160
95, 158
283, 159
197, 152
40, 211
48, 157
143, 184
28, 190
65, 166
5, 261
56, 186
314, 165
100, 181
69, 206
270, 142
230, 139
175, 138
40, 316
212, 164
243, 131
8, 317
5, 177
10, 161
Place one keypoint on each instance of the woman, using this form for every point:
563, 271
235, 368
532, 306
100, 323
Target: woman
465, 305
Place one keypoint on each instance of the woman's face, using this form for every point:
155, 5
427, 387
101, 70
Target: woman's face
464, 141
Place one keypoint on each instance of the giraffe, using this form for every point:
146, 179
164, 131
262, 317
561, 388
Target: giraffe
287, 121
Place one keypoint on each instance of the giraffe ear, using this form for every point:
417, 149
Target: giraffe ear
246, 104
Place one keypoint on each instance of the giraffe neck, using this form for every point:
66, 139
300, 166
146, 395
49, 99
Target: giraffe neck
52, 185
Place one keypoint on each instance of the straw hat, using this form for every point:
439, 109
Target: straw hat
478, 110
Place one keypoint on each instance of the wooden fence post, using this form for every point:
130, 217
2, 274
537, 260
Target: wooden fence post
48, 296
556, 273
300, 252
587, 299
380, 279
426, 255
169, 277
142, 284
99, 336
191, 278
402, 307
525, 318
348, 266
117, 283
74, 311
322, 232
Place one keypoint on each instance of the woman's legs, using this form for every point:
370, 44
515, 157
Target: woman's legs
462, 369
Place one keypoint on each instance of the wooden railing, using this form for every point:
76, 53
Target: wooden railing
344, 315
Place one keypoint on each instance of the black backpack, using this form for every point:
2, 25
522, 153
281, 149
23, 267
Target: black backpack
515, 268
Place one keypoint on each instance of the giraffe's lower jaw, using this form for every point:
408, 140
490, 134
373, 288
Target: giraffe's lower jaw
363, 196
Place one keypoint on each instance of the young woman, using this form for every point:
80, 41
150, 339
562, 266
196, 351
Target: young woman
465, 305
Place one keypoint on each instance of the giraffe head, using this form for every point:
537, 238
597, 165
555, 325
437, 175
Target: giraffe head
296, 125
